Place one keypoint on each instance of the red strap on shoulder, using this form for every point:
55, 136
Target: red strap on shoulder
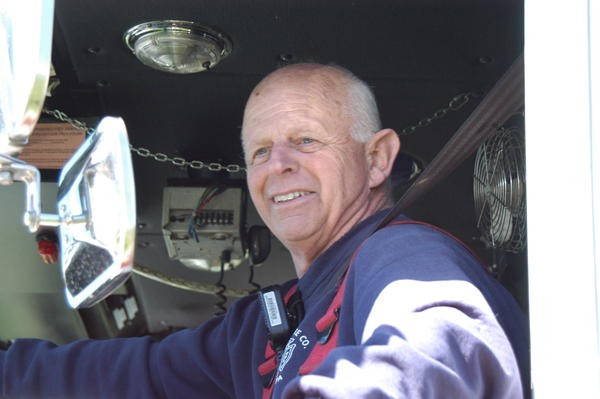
327, 330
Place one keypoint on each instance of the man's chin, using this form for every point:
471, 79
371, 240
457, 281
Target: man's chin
295, 230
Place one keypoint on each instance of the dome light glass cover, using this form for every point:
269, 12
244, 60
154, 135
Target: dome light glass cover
177, 46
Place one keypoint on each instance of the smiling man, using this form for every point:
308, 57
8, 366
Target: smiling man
406, 312
310, 179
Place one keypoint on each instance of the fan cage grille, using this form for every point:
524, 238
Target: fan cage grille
499, 190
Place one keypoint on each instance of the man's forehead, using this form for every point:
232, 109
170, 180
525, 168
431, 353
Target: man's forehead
297, 86
280, 113
308, 78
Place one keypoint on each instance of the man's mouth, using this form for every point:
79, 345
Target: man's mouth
278, 199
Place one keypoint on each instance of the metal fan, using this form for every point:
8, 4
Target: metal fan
499, 190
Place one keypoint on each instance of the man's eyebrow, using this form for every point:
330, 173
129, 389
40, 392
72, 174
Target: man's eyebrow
250, 142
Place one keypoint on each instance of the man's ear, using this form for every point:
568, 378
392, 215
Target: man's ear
382, 149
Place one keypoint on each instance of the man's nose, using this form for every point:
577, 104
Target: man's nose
283, 159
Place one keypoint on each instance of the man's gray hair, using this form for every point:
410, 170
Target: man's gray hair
362, 107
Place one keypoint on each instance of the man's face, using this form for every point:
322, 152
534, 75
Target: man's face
307, 177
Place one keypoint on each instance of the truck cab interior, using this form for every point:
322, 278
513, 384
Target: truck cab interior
178, 73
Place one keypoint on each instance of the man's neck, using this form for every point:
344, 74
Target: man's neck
304, 253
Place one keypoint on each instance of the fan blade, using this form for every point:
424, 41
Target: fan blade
502, 225
503, 100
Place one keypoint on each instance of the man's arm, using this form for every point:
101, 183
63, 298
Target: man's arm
185, 364
438, 351
35, 368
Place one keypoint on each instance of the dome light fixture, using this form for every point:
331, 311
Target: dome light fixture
177, 46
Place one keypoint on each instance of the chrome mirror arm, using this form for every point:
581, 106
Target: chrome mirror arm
11, 170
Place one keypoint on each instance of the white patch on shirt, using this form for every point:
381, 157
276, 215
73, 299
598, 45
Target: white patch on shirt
414, 307
287, 354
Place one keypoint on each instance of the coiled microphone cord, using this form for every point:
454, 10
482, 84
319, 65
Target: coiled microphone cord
220, 304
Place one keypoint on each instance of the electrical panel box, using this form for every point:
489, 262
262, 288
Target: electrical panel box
203, 224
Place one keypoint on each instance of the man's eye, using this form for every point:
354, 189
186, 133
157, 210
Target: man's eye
308, 144
261, 152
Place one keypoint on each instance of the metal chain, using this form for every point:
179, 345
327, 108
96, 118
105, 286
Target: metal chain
146, 153
177, 161
455, 104
61, 116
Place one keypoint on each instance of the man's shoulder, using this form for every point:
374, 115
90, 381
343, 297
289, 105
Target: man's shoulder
410, 235
414, 250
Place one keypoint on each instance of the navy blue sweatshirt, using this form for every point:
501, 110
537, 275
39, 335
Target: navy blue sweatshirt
420, 318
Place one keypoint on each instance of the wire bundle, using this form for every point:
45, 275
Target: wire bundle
207, 196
